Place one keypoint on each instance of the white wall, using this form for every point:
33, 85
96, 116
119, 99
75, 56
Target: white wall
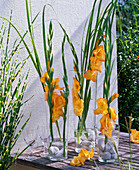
72, 14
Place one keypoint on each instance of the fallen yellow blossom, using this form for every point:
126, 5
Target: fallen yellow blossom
82, 157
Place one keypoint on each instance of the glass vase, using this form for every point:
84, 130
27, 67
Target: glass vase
58, 141
57, 150
107, 148
84, 140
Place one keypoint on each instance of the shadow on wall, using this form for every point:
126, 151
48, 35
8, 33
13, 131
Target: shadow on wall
37, 106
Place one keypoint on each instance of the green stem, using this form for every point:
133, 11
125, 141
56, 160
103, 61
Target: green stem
64, 141
58, 129
51, 125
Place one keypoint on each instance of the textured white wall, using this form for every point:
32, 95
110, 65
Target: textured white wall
72, 14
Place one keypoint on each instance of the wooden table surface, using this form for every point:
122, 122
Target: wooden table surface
124, 152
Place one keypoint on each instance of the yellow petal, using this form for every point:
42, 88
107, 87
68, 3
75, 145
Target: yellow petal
46, 92
114, 96
102, 107
78, 105
134, 136
55, 83
99, 53
95, 64
113, 114
84, 153
53, 70
75, 69
106, 125
45, 76
75, 161
92, 153
90, 75
76, 86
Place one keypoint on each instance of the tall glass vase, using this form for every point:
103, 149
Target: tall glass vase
58, 147
107, 148
58, 137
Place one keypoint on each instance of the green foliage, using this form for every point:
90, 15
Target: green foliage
89, 40
128, 64
12, 87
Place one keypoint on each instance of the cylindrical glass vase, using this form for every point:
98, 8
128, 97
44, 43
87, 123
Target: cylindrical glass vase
84, 140
107, 148
58, 132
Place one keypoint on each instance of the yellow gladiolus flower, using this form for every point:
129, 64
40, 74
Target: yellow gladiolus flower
75, 161
56, 114
102, 107
113, 114
99, 53
55, 83
134, 136
76, 86
46, 92
114, 96
82, 157
95, 64
59, 103
78, 105
85, 155
59, 100
90, 75
45, 76
106, 125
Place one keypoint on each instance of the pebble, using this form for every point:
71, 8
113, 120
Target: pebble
101, 144
86, 143
106, 155
108, 146
112, 151
53, 150
60, 153
91, 136
114, 156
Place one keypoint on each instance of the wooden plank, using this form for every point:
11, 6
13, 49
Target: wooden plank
124, 153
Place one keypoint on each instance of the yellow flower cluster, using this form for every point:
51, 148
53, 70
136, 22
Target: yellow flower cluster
78, 103
96, 62
134, 136
82, 157
108, 115
57, 100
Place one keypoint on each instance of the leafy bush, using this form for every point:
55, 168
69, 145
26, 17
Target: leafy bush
127, 50
10, 97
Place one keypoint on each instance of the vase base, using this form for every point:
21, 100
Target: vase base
106, 161
52, 158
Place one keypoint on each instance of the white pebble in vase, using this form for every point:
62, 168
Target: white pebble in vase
101, 144
112, 151
114, 156
106, 155
108, 147
86, 143
60, 153
53, 150
91, 136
